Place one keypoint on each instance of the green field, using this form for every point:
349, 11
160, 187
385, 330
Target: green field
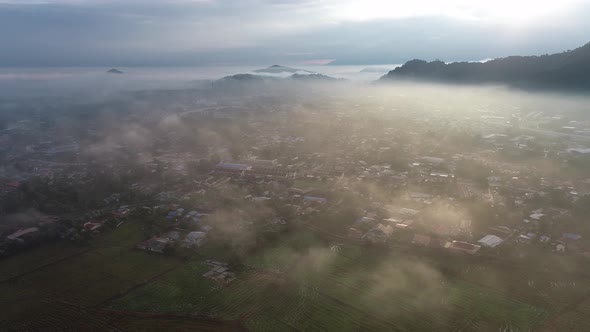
299, 283
100, 273
50, 253
305, 285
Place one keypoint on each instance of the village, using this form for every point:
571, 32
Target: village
482, 199
246, 197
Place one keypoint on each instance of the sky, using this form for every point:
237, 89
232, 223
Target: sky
263, 32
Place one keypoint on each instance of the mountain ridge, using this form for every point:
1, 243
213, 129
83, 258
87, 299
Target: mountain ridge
568, 70
298, 75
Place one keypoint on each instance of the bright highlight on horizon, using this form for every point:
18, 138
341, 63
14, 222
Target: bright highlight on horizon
514, 10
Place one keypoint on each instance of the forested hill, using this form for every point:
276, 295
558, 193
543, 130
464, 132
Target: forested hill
567, 70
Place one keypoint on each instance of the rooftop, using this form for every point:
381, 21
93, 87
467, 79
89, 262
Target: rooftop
491, 241
234, 167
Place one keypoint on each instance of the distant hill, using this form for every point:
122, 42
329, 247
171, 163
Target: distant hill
240, 80
246, 78
278, 69
114, 71
314, 77
264, 78
567, 70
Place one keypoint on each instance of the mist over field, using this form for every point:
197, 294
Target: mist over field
294, 165
294, 194
92, 82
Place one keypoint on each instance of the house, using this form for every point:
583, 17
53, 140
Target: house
571, 236
387, 230
378, 234
408, 212
490, 241
365, 220
526, 238
166, 196
420, 196
172, 236
432, 160
463, 247
391, 221
92, 226
176, 213
194, 216
24, 235
113, 198
579, 151
354, 233
365, 223
155, 244
296, 191
267, 168
194, 239
232, 169
571, 240
219, 271
399, 223
123, 211
441, 177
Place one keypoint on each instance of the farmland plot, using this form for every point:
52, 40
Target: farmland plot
85, 280
314, 287
33, 259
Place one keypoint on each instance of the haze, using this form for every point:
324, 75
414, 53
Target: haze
294, 165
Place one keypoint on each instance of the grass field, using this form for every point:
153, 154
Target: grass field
181, 291
300, 283
305, 285
88, 279
52, 252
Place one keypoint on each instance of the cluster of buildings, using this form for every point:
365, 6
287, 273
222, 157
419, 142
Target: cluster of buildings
182, 230
300, 155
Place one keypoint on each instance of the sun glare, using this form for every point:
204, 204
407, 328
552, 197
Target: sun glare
511, 11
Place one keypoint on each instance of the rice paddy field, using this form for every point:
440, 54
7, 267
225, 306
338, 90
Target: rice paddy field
83, 277
301, 283
304, 284
50, 254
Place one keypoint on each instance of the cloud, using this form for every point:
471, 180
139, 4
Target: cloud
193, 32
